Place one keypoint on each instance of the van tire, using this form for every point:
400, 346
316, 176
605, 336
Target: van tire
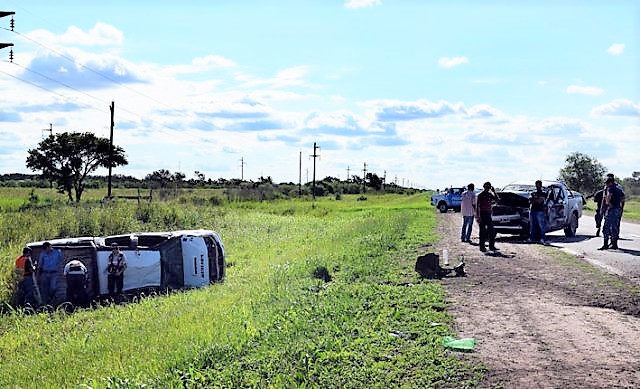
442, 207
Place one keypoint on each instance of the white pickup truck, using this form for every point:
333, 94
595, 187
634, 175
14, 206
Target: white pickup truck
511, 214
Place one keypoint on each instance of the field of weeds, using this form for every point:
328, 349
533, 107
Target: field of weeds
316, 294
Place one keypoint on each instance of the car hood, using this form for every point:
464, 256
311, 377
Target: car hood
514, 199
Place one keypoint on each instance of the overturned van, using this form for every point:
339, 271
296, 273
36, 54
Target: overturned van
155, 260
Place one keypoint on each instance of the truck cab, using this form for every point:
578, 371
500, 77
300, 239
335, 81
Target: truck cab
450, 198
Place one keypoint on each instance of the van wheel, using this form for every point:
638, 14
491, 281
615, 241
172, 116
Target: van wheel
442, 207
570, 229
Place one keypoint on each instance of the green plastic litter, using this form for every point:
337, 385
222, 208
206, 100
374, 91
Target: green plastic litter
459, 344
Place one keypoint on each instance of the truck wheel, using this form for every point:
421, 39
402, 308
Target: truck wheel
442, 207
570, 229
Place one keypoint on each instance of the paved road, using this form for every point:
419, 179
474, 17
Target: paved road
624, 262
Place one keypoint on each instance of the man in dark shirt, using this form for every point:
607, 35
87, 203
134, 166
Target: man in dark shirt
597, 198
613, 200
538, 214
485, 201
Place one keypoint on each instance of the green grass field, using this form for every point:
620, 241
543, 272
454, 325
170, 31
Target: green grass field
271, 323
631, 209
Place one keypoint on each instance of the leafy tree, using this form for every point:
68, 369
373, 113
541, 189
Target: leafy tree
374, 181
68, 158
582, 173
161, 178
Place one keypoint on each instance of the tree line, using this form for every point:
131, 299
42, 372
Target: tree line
66, 160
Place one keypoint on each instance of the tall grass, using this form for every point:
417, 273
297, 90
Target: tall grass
271, 323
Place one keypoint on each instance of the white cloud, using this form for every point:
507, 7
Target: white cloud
616, 49
584, 90
100, 35
448, 63
354, 4
619, 107
201, 64
285, 78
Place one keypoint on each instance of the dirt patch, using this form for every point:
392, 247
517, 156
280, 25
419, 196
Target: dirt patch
540, 321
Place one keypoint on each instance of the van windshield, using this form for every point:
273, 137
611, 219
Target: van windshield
519, 188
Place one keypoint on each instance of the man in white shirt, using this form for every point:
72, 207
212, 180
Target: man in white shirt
468, 209
116, 265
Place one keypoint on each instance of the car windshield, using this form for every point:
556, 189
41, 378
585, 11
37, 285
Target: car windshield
519, 188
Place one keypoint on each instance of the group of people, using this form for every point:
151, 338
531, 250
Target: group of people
479, 206
38, 279
609, 201
609, 206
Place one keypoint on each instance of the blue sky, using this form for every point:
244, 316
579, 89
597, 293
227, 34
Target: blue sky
434, 93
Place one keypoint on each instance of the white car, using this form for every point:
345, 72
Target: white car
564, 208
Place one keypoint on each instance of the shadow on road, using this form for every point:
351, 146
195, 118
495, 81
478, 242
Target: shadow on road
567, 239
635, 253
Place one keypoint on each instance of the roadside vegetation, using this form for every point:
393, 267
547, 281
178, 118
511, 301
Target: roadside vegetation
317, 294
631, 209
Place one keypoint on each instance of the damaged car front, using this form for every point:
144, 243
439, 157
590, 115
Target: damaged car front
511, 213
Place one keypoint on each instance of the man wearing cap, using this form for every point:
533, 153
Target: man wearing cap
613, 201
116, 265
468, 208
75, 273
49, 262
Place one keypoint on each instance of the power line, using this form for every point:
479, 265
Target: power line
72, 88
50, 91
90, 69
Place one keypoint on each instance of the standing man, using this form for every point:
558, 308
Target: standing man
485, 201
613, 201
468, 207
115, 269
25, 269
538, 214
76, 274
597, 198
49, 262
621, 189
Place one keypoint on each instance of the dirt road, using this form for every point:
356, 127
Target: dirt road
542, 319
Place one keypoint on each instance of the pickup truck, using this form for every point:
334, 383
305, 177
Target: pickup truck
511, 213
449, 199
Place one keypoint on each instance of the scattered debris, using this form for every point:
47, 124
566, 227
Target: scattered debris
464, 344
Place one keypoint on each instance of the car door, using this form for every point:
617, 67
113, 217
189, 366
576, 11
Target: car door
557, 204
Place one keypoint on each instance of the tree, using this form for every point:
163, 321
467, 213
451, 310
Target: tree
375, 182
582, 173
68, 158
162, 177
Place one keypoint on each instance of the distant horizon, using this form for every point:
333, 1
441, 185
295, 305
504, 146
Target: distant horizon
433, 93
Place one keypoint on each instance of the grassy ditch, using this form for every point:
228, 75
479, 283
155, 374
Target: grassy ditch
318, 294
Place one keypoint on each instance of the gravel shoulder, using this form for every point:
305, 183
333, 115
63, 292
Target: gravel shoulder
542, 318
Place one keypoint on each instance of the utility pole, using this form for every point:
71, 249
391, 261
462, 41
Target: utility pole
314, 155
384, 180
3, 45
300, 175
348, 173
112, 108
50, 129
242, 163
364, 179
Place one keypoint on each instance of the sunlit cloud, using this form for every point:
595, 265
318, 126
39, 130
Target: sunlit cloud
584, 90
100, 35
616, 49
619, 107
354, 4
448, 63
